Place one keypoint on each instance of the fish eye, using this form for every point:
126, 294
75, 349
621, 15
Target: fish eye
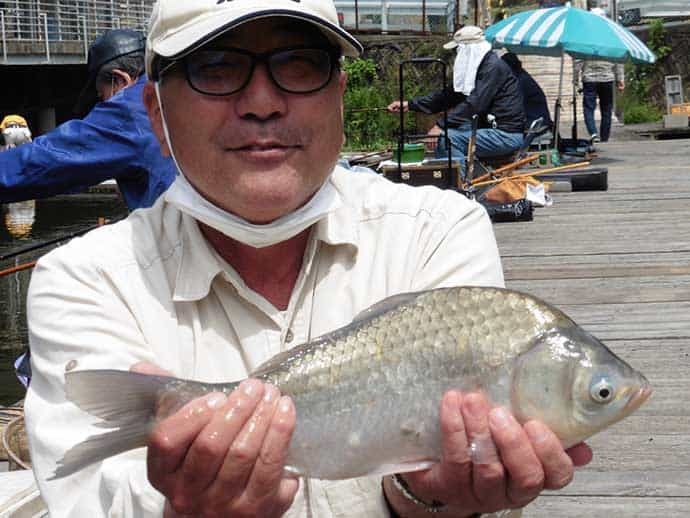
601, 391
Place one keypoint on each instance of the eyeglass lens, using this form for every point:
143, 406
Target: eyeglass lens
226, 71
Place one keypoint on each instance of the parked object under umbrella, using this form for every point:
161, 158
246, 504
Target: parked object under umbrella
568, 30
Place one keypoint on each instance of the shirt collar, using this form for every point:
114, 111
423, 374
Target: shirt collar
200, 263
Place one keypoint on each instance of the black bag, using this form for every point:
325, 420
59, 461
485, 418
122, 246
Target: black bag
521, 210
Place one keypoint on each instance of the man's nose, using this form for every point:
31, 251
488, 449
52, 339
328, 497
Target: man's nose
261, 98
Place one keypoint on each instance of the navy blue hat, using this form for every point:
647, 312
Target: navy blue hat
108, 46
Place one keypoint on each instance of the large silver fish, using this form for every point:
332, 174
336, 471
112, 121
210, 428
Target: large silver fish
368, 395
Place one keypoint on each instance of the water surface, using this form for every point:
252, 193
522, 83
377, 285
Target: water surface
21, 227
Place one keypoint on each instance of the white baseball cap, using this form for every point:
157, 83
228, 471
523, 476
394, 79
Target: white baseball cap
467, 35
178, 27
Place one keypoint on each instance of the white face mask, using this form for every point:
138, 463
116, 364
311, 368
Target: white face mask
188, 200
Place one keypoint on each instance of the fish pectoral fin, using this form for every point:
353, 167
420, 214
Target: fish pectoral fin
403, 467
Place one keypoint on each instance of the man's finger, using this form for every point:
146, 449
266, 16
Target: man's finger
525, 472
487, 472
207, 453
244, 450
171, 438
558, 467
580, 454
149, 368
268, 470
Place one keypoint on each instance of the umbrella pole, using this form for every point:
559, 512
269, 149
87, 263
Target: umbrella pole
574, 130
558, 103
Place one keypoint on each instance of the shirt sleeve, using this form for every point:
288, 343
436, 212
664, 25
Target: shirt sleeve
78, 319
437, 101
74, 156
462, 251
619, 72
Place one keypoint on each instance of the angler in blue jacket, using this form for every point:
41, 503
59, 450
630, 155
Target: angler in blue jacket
114, 140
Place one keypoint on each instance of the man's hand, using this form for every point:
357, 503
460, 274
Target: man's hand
621, 85
224, 455
432, 137
526, 459
396, 106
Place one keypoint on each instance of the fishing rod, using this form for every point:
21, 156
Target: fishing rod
19, 268
363, 110
38, 246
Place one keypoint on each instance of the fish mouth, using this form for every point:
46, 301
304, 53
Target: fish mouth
639, 397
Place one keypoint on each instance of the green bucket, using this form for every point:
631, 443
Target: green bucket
411, 153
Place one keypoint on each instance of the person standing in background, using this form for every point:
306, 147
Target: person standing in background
598, 78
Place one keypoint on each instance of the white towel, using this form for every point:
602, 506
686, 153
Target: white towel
466, 65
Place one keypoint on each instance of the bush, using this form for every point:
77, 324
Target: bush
370, 89
637, 102
638, 113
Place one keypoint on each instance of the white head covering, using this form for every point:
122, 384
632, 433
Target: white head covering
472, 47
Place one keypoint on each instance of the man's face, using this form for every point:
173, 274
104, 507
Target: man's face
261, 152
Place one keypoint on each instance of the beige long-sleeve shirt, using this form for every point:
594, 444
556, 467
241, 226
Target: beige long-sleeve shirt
598, 71
151, 288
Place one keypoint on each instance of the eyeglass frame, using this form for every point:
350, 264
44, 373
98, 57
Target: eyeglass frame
334, 54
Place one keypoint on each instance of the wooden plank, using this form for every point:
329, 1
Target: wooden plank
604, 290
618, 262
596, 266
630, 507
632, 321
668, 483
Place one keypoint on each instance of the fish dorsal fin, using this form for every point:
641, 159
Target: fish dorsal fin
277, 360
371, 312
386, 304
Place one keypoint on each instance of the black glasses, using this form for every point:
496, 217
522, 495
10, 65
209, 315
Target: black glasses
225, 71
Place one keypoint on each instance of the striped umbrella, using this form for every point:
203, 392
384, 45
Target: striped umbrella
568, 30
580, 33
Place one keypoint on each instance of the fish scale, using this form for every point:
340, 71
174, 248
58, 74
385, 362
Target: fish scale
367, 395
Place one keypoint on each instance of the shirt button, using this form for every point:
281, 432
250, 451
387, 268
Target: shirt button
289, 336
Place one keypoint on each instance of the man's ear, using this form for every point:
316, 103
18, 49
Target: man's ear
342, 84
155, 116
121, 80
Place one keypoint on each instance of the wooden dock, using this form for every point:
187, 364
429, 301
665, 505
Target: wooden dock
618, 262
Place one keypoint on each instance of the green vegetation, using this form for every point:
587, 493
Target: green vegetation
636, 101
370, 89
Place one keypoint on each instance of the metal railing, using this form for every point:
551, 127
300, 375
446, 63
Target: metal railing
44, 22
413, 16
48, 21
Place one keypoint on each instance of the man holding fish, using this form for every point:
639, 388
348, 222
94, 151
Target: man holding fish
263, 243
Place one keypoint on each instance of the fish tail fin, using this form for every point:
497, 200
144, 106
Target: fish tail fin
126, 403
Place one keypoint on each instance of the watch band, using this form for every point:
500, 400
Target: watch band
401, 485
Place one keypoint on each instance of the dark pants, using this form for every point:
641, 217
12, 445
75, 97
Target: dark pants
603, 91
